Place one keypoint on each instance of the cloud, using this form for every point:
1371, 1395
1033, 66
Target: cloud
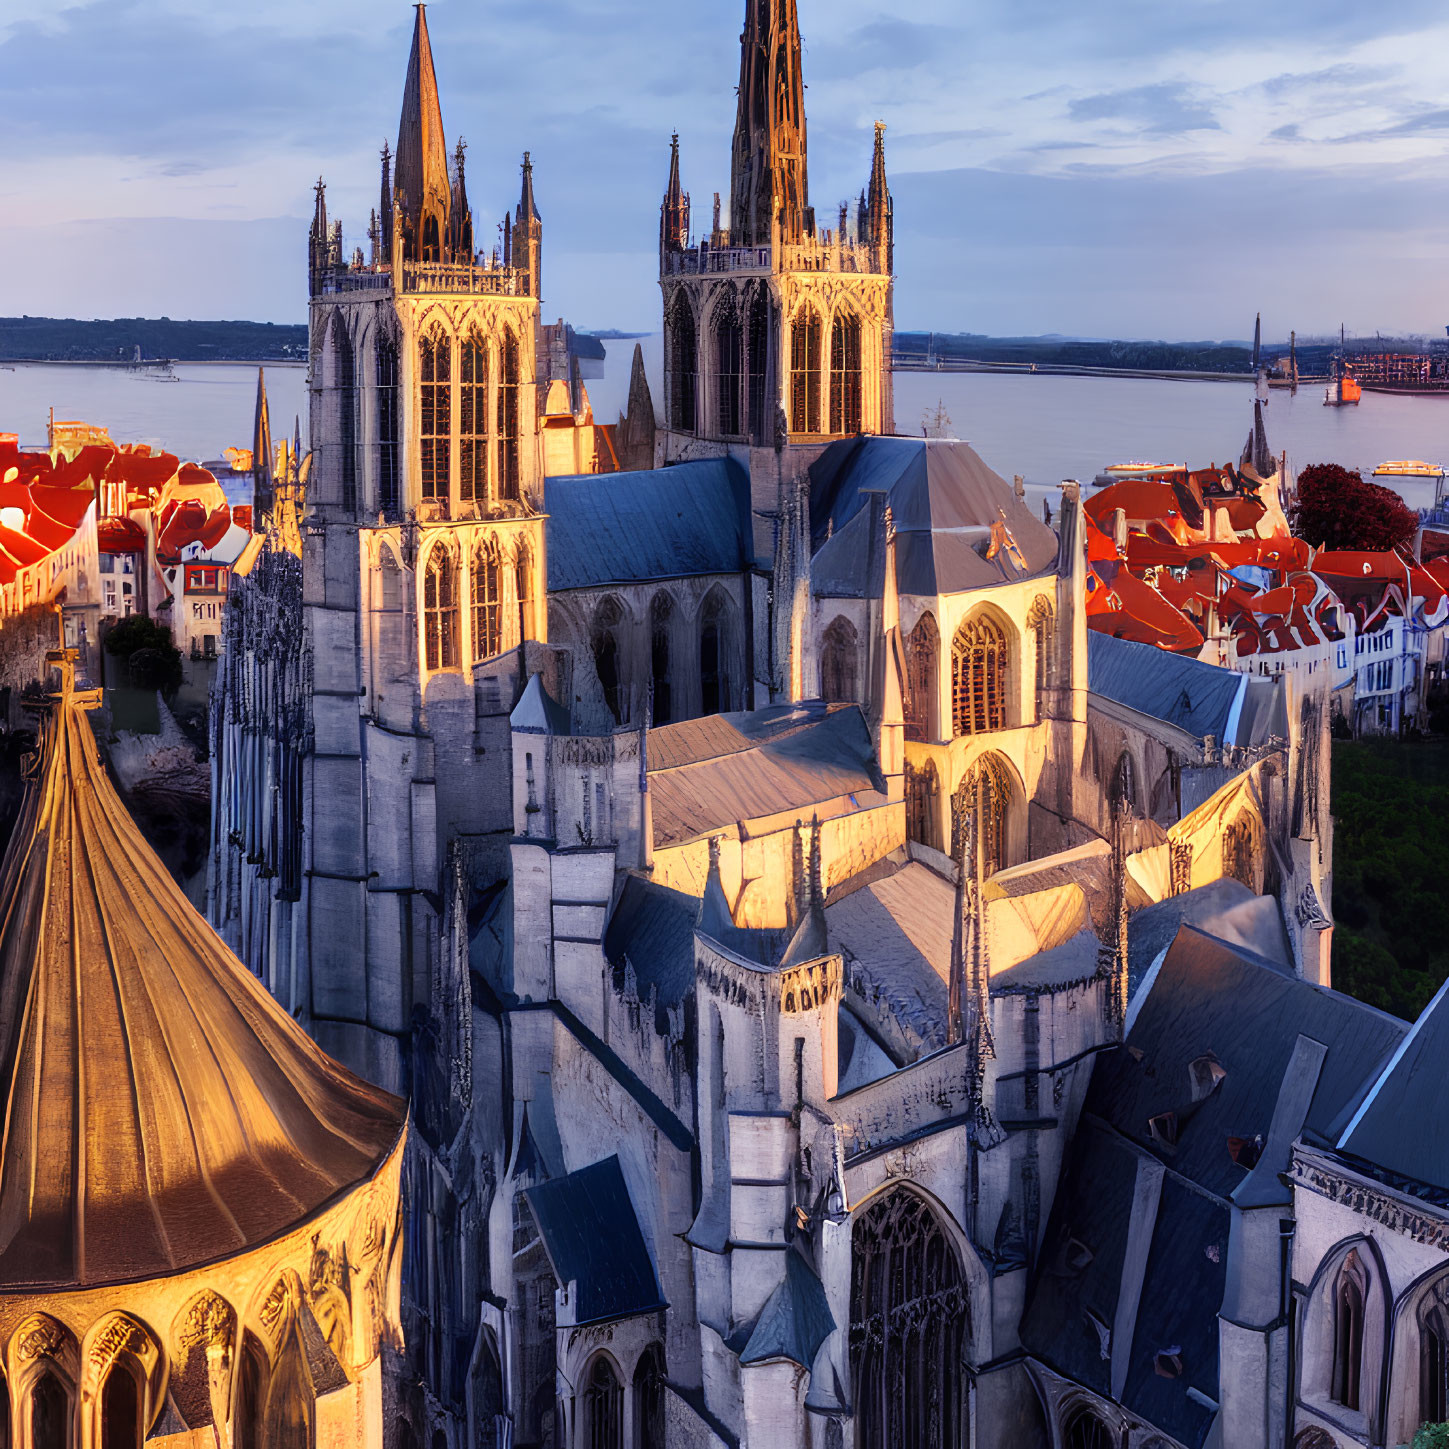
1167, 109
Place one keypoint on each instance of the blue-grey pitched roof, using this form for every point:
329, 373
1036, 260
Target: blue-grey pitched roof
592, 1237
653, 928
1202, 699
943, 501
1402, 1124
795, 1320
1207, 999
618, 528
538, 712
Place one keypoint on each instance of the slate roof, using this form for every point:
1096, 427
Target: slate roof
619, 528
795, 1320
1199, 698
710, 773
943, 500
592, 1237
1402, 1124
1207, 999
653, 927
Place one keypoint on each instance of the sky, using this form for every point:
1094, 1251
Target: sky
1104, 168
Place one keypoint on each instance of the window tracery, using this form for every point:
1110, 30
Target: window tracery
716, 639
523, 591
661, 619
922, 815
922, 664
1085, 1430
729, 367
487, 601
473, 420
978, 677
649, 1398
845, 374
603, 1406
344, 377
985, 787
761, 415
436, 418
510, 383
388, 474
840, 662
1041, 620
605, 641
440, 609
910, 1319
1349, 1294
805, 364
683, 364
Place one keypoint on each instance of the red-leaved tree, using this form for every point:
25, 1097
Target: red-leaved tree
1337, 509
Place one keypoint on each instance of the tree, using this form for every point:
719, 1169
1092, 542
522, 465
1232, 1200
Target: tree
1336, 509
151, 658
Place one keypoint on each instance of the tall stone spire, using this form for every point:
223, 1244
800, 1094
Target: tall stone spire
674, 214
768, 184
385, 209
460, 233
421, 169
528, 233
262, 481
878, 207
318, 241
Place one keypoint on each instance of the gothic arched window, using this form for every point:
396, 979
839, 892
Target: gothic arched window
729, 367
250, 1399
344, 377
49, 1414
986, 790
603, 1406
978, 677
845, 374
649, 1398
487, 601
661, 621
922, 815
473, 421
121, 1426
607, 619
715, 642
436, 418
683, 364
1349, 1295
289, 1399
432, 243
840, 662
1242, 850
388, 474
1434, 1354
1123, 791
1085, 1430
510, 463
440, 610
762, 413
805, 364
523, 591
921, 665
910, 1319
1042, 622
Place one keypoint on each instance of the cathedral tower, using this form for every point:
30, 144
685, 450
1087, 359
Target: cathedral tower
775, 331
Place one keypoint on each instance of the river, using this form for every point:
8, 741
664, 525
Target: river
1045, 428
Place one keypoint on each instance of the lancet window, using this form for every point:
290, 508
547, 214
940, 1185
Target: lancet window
510, 463
922, 813
436, 359
661, 623
729, 367
845, 374
840, 662
978, 677
250, 1399
607, 620
762, 415
603, 1406
909, 1320
1434, 1354
1085, 1430
523, 591
921, 666
473, 421
1242, 848
649, 1398
683, 365
344, 376
440, 610
715, 641
805, 364
487, 601
986, 790
1349, 1295
121, 1410
387, 427
1041, 620
49, 1414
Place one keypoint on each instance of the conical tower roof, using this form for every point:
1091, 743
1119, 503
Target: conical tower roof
161, 1110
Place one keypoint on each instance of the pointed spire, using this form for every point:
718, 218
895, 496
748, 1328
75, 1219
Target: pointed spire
422, 152
385, 210
769, 190
674, 213
528, 234
318, 241
527, 207
262, 480
461, 231
879, 208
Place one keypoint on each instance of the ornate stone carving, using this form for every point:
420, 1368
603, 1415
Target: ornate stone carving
43, 1338
1371, 1202
207, 1323
118, 1337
